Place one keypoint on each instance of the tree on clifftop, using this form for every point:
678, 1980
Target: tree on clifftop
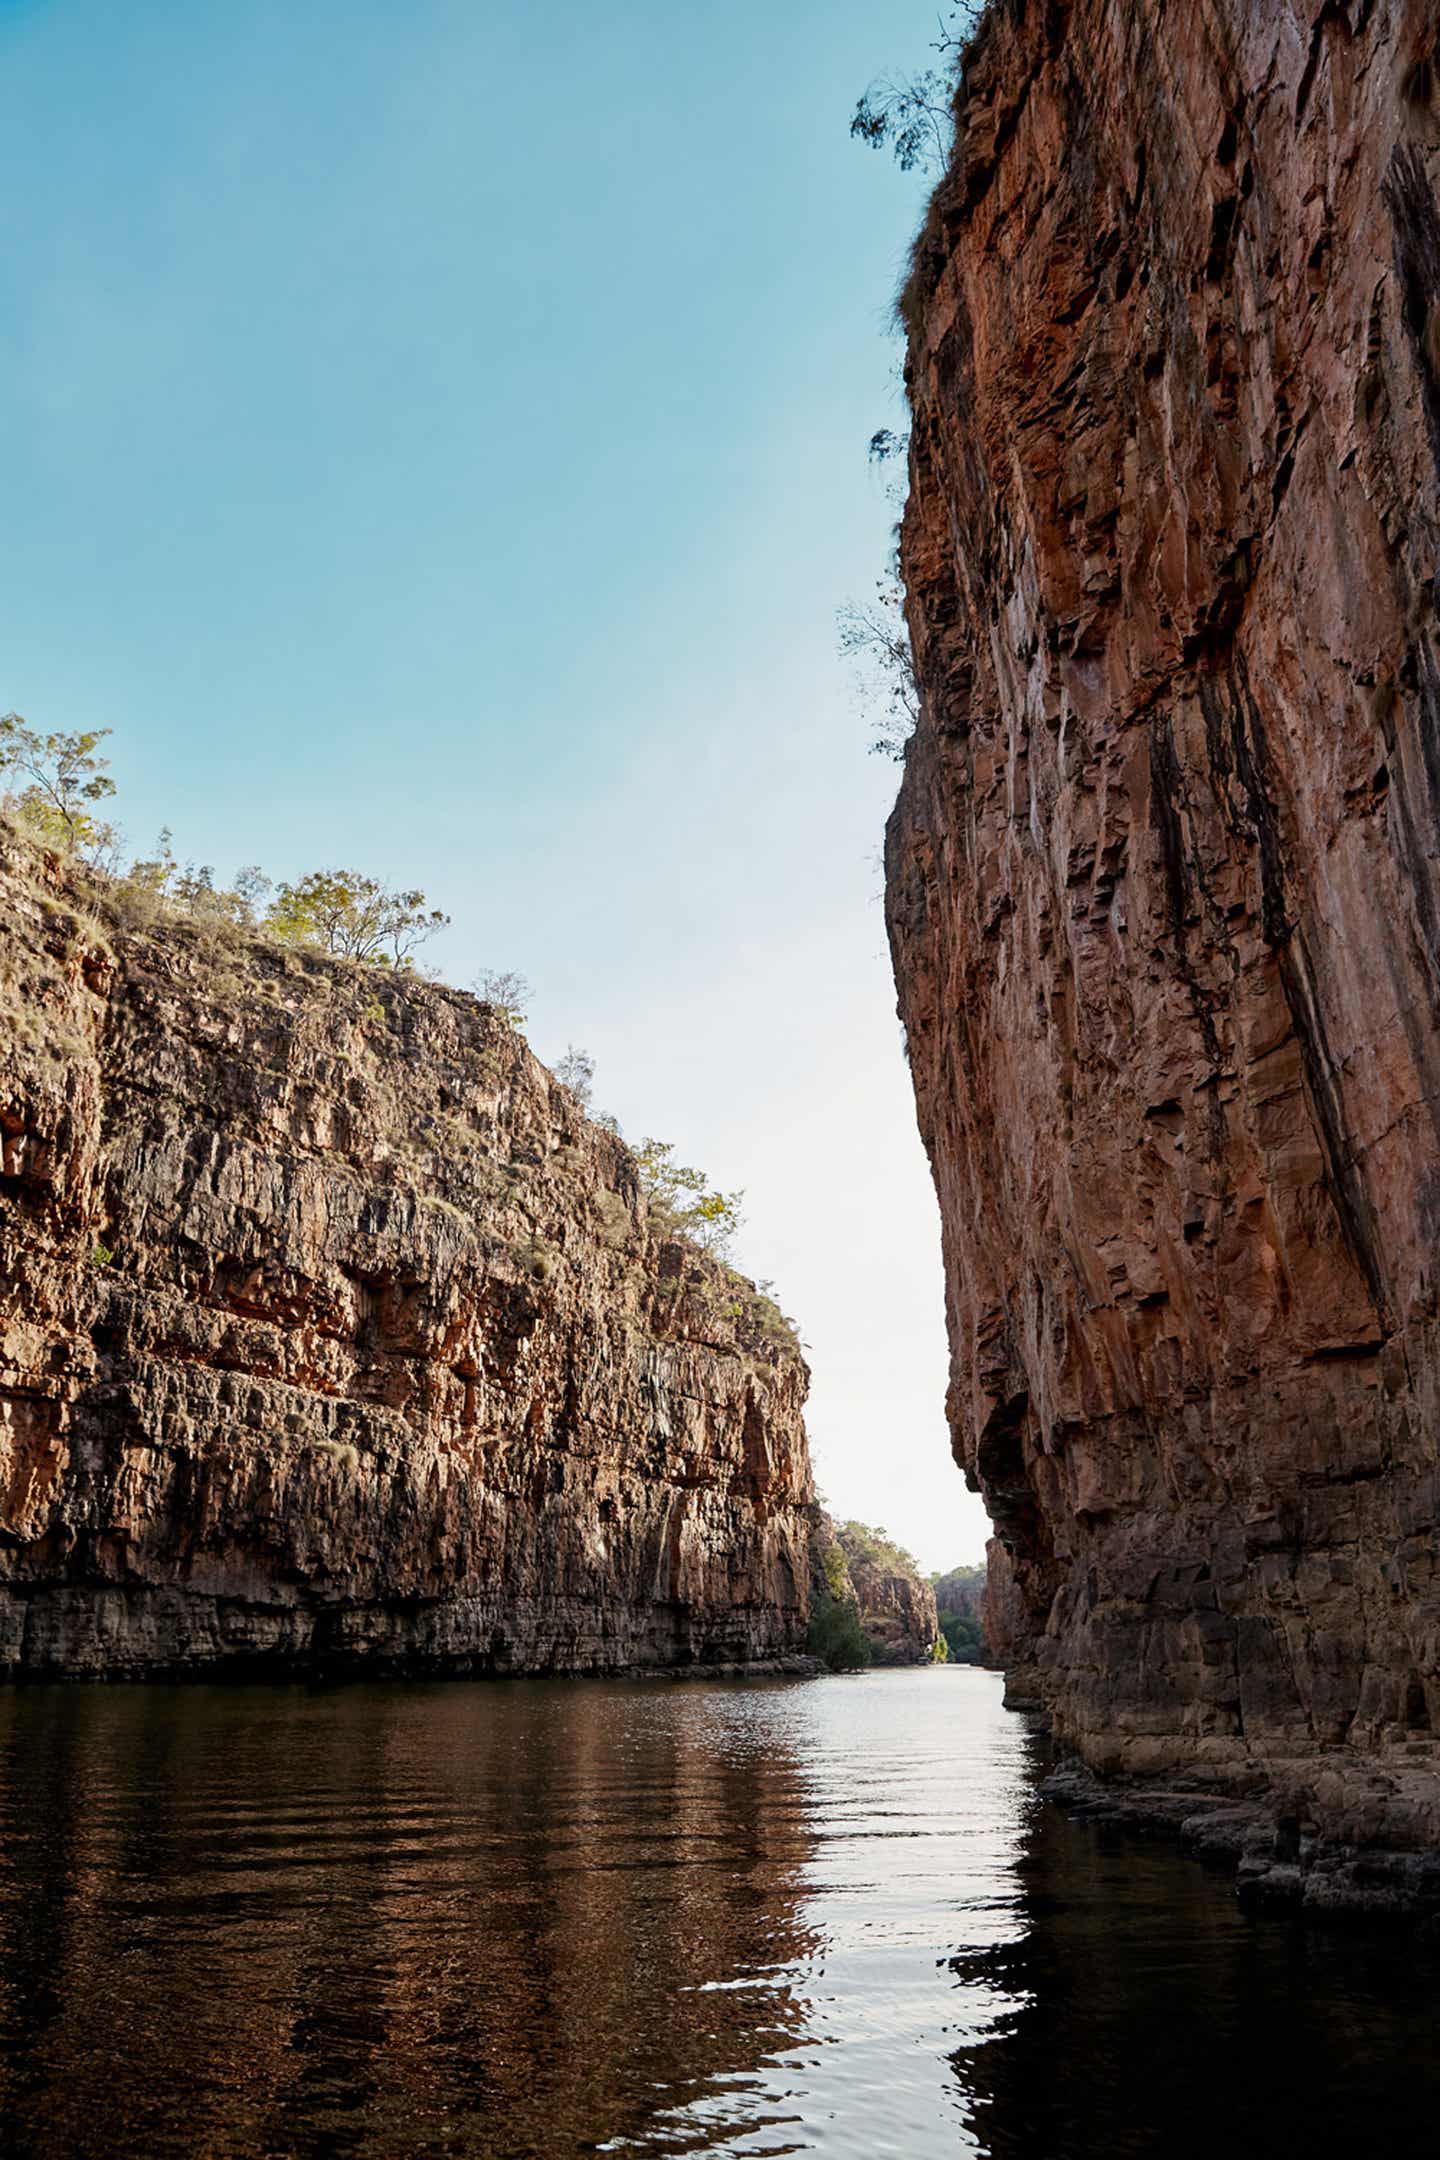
63, 779
353, 916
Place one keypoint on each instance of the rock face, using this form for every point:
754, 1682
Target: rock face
331, 1331
962, 1591
896, 1604
1164, 880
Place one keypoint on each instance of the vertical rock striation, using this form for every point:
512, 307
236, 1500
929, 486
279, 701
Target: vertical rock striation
330, 1331
1164, 883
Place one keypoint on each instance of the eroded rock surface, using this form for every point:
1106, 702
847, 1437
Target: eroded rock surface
895, 1603
330, 1330
1163, 886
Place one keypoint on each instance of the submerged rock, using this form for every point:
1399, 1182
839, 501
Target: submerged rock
331, 1332
1164, 889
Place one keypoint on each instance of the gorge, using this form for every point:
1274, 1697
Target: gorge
1164, 902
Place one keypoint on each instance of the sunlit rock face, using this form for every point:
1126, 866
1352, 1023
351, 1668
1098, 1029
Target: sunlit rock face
1164, 877
331, 1331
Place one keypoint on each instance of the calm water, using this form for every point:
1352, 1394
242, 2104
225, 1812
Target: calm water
548, 1919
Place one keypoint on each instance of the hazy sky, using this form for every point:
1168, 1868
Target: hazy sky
435, 442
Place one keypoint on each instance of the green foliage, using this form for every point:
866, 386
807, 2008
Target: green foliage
193, 890
913, 116
960, 1602
538, 1258
681, 1200
62, 779
353, 916
836, 1636
939, 1651
964, 1638
101, 1255
508, 993
877, 1548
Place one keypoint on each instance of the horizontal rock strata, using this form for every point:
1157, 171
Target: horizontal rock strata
332, 1332
1164, 882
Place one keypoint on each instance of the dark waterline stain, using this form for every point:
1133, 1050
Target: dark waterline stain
397, 1921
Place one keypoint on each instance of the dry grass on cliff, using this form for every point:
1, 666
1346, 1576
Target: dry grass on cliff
310, 1015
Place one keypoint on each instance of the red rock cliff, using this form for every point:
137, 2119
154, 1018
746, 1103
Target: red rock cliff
331, 1330
1164, 877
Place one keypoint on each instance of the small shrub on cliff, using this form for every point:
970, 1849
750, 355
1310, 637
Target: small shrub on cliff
616, 1224
576, 1071
148, 884
913, 116
875, 639
758, 1315
681, 1199
353, 916
507, 992
538, 1259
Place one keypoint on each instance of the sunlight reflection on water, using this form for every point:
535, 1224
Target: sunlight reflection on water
546, 1919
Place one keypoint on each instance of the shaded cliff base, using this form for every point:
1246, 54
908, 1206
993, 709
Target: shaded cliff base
1279, 1858
1328, 1831
133, 1633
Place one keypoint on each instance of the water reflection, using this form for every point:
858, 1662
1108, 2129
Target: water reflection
463, 1920
544, 1920
1139, 2009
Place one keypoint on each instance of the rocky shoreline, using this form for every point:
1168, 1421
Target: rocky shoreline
1275, 1860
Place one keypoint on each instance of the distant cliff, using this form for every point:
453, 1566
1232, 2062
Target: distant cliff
332, 1333
896, 1604
1164, 887
960, 1599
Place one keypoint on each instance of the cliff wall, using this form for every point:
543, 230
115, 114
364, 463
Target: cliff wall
330, 1331
895, 1603
1164, 881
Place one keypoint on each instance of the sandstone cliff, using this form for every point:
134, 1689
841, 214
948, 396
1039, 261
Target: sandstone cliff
895, 1603
1164, 883
330, 1331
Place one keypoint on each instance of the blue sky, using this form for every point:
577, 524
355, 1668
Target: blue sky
436, 443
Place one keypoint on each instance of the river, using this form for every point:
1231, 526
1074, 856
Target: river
546, 1918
